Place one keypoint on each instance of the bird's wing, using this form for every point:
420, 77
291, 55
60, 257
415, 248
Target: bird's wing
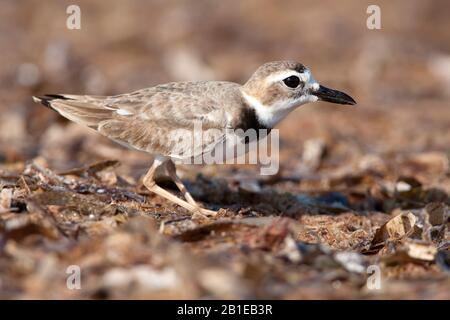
180, 120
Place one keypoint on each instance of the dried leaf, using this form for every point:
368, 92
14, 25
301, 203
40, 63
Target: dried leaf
421, 251
438, 213
204, 231
23, 226
351, 261
5, 199
411, 251
443, 260
91, 169
141, 278
395, 229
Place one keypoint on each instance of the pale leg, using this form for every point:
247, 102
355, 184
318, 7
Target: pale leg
172, 172
151, 185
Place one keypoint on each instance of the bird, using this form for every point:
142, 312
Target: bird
156, 119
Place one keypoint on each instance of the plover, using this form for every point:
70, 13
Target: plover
155, 119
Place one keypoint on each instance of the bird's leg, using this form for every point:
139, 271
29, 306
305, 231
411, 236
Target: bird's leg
172, 172
151, 185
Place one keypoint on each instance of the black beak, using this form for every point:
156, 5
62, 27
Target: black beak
333, 96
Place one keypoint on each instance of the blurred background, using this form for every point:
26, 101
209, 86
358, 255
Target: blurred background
399, 75
396, 138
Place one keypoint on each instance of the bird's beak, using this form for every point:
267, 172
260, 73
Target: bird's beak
333, 96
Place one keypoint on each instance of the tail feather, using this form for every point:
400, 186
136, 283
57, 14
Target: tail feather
47, 98
84, 110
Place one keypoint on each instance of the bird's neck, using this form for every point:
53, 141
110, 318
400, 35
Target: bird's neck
267, 116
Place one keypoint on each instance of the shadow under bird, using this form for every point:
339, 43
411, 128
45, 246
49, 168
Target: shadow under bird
154, 119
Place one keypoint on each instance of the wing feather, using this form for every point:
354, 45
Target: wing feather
158, 120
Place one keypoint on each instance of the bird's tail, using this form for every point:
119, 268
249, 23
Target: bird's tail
86, 110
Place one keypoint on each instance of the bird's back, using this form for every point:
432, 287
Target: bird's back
157, 119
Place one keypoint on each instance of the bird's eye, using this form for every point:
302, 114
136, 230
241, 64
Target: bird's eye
292, 81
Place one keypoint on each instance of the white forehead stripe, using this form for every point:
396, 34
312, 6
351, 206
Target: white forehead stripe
286, 74
305, 77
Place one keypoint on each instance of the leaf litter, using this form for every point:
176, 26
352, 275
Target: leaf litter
273, 243
127, 250
356, 188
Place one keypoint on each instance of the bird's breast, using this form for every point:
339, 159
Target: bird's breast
248, 120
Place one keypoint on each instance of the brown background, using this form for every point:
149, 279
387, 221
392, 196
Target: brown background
399, 75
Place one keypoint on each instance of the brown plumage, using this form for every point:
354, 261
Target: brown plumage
157, 119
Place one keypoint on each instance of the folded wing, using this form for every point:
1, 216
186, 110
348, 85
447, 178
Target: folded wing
177, 120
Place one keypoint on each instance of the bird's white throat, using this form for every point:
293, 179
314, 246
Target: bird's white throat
270, 115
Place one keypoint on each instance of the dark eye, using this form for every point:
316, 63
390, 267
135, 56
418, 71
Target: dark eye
292, 81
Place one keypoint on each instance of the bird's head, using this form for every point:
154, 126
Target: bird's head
276, 88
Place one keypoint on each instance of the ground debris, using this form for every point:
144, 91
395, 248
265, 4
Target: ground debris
92, 169
394, 230
360, 192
